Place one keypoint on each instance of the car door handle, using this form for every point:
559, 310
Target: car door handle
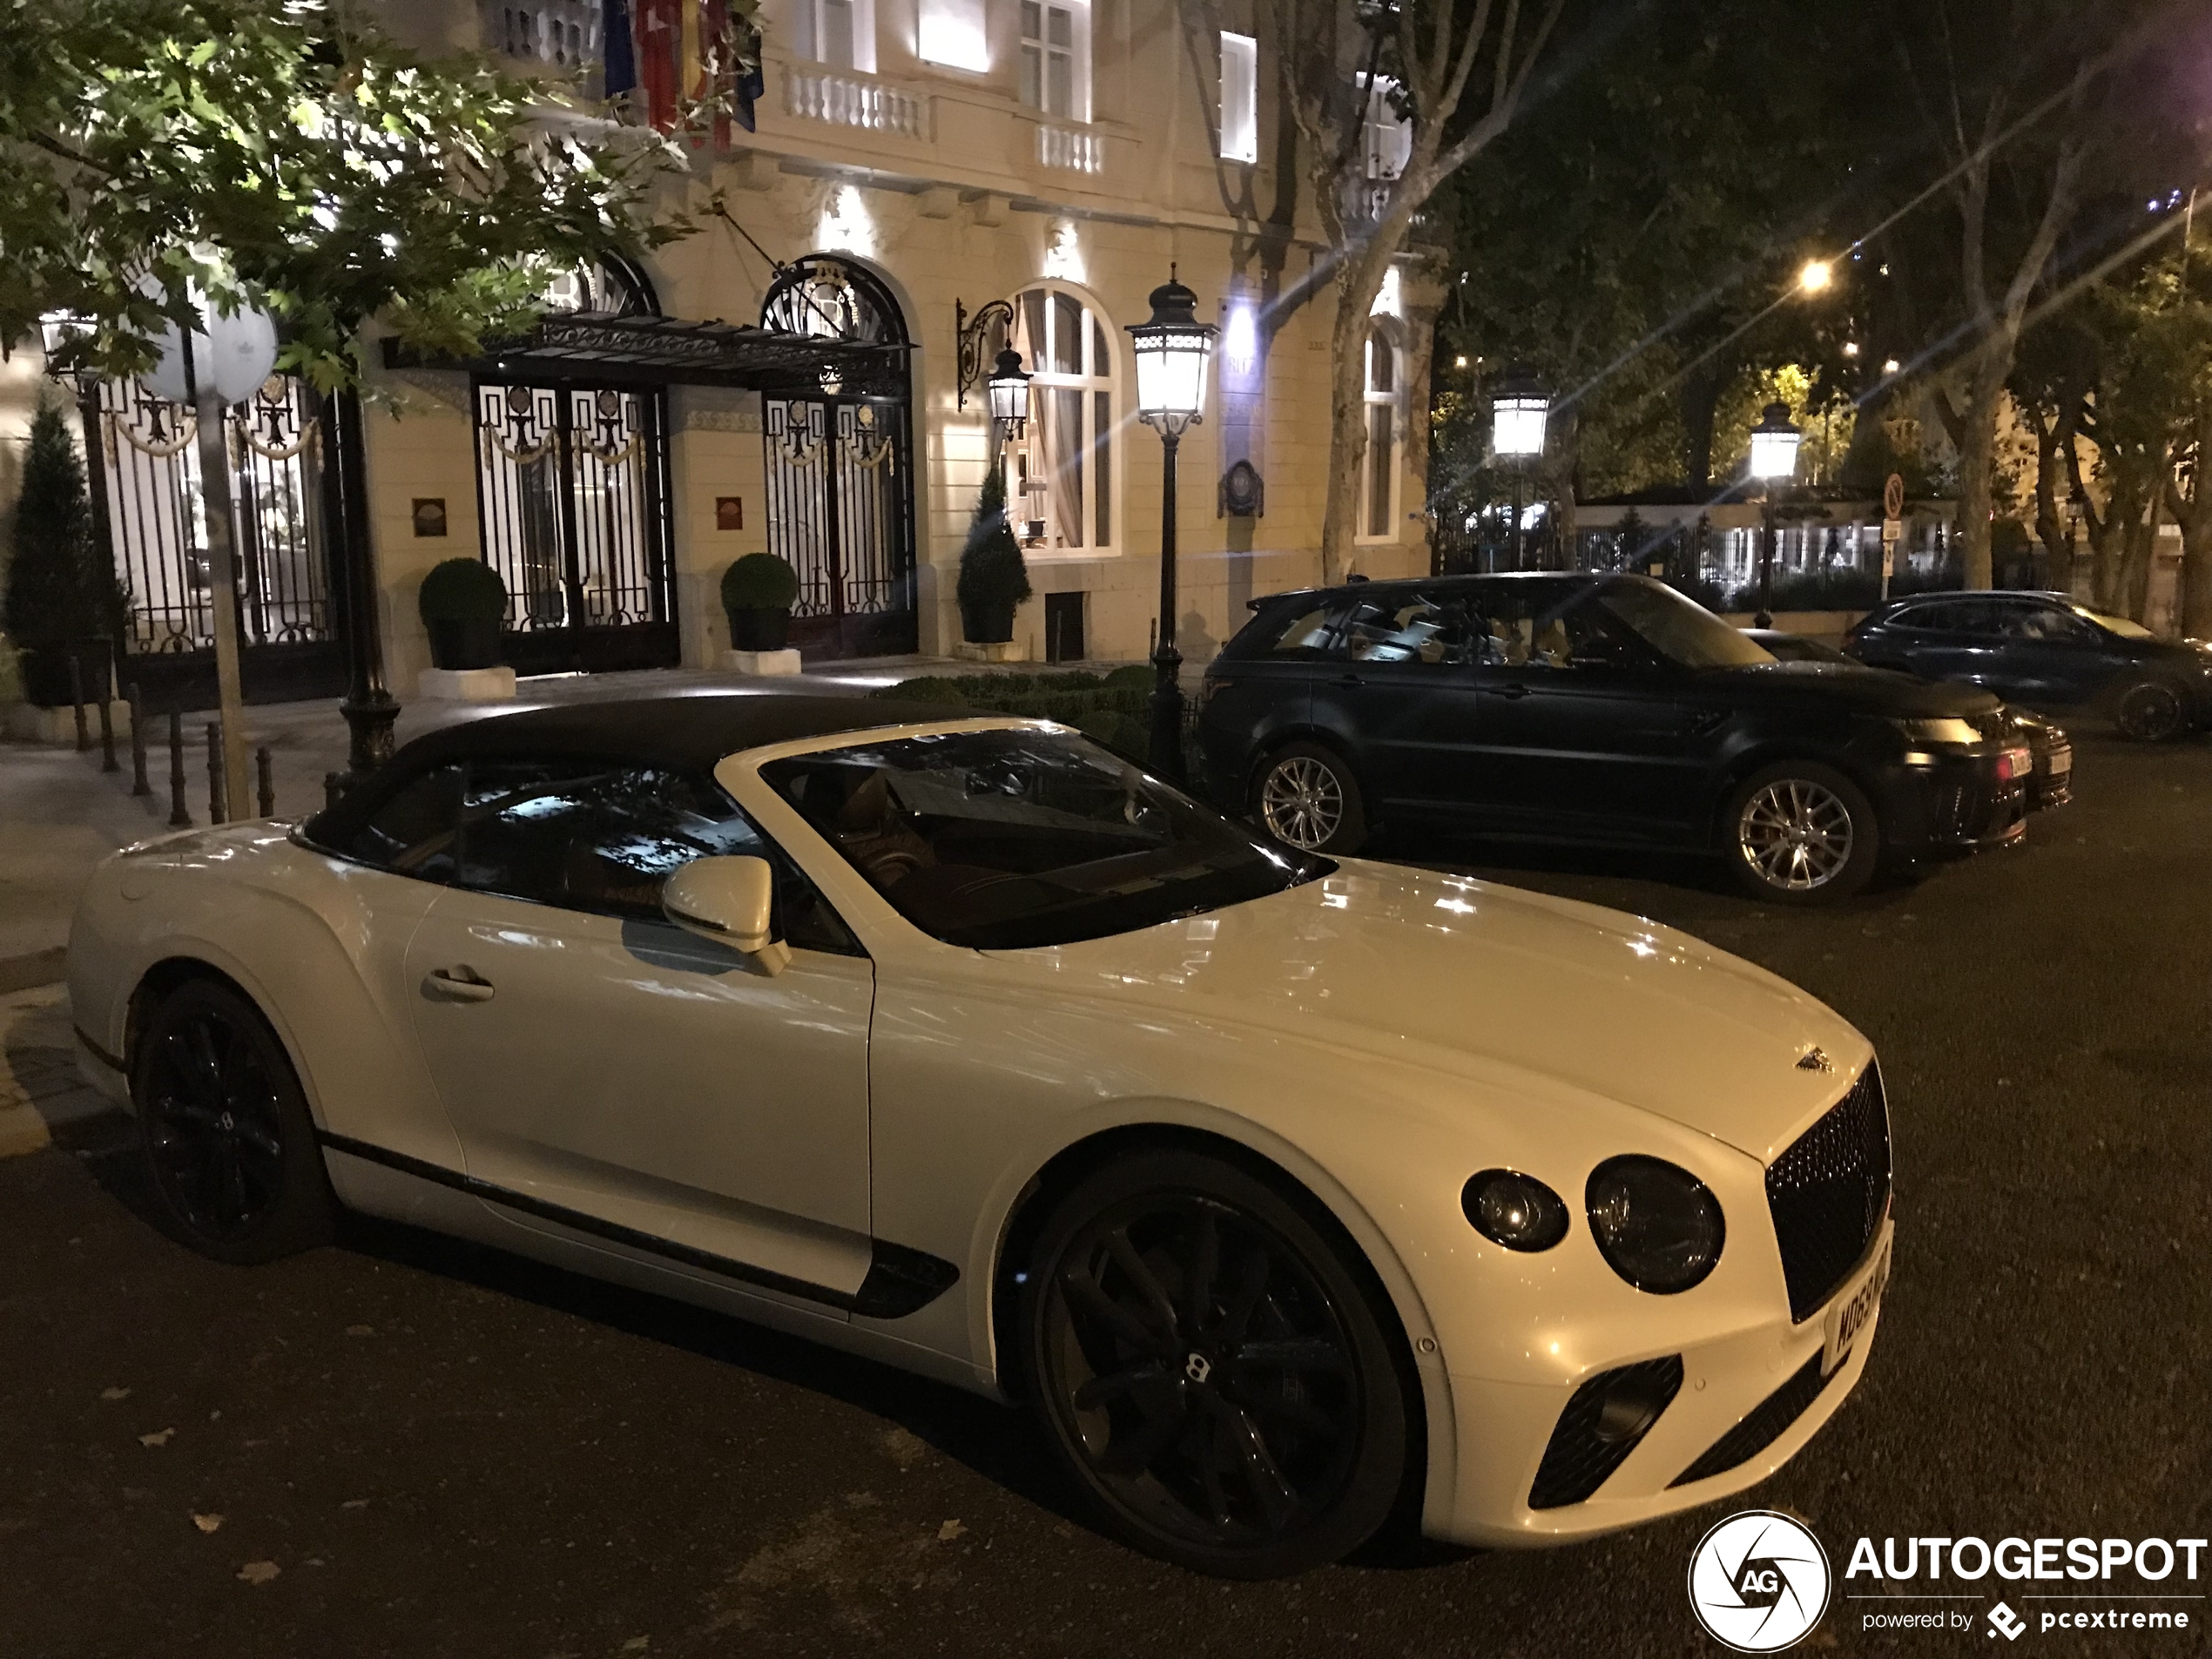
460, 984
1512, 688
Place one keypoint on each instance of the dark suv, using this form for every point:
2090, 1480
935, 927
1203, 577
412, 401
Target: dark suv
2045, 650
1596, 710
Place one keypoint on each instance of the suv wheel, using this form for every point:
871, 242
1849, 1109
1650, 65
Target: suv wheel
2150, 712
1212, 1370
1801, 833
1305, 797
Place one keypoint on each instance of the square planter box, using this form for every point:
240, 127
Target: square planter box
760, 661
1004, 650
466, 684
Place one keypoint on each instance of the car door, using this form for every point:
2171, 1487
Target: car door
1400, 689
1259, 688
2054, 659
1579, 722
597, 1061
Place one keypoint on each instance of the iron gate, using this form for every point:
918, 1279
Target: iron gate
150, 481
572, 502
840, 468
838, 491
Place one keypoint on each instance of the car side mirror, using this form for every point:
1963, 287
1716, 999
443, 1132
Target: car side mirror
731, 900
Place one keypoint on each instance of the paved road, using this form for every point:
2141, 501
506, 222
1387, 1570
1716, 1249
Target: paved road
438, 1451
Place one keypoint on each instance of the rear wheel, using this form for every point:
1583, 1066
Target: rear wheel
1306, 797
1801, 833
1212, 1371
230, 1148
2150, 712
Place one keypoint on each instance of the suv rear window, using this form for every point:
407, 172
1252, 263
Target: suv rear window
1299, 629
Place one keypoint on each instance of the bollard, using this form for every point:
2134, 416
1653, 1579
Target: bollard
265, 778
139, 784
107, 738
77, 698
217, 808
179, 818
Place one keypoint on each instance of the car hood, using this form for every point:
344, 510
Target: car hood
1416, 966
1859, 688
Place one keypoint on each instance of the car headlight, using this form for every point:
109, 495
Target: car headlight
1949, 729
1657, 1225
1514, 1209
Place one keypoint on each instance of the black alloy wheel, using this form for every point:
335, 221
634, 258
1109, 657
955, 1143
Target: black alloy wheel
1801, 834
229, 1146
1211, 1371
2150, 712
1306, 796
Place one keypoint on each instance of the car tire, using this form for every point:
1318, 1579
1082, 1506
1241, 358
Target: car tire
1214, 1374
2150, 712
1306, 796
230, 1150
1801, 834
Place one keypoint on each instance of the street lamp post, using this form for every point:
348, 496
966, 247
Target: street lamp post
1774, 462
1519, 409
1171, 351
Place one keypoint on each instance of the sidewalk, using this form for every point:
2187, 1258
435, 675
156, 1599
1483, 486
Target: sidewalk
60, 814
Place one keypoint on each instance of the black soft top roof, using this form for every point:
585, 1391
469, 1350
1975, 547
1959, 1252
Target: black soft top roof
688, 732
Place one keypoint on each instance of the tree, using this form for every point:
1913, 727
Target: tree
61, 588
1347, 71
994, 580
292, 157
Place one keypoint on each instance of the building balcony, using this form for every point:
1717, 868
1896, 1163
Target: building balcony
847, 98
1071, 148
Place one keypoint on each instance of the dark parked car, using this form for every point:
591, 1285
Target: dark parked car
2048, 652
1602, 710
2052, 782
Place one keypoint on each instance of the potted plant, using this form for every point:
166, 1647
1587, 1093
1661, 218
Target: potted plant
464, 605
757, 594
63, 596
994, 580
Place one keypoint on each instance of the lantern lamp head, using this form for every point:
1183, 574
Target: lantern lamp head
1774, 446
1172, 351
1009, 393
1519, 409
58, 332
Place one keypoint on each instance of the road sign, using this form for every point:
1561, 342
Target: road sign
1893, 497
1893, 531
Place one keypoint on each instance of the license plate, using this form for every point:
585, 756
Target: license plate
2061, 762
1851, 1313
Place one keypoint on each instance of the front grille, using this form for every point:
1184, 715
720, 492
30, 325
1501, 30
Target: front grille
1763, 1427
1585, 1447
1828, 1194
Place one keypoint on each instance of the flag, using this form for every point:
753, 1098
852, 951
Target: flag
656, 37
752, 85
617, 48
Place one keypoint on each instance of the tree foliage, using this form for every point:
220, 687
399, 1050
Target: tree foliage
292, 156
994, 579
60, 589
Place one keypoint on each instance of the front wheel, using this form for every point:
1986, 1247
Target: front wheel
1801, 833
1306, 797
2150, 712
230, 1149
1212, 1371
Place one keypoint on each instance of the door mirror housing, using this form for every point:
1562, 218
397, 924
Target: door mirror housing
731, 900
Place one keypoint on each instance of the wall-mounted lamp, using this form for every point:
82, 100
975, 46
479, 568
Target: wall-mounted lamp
1008, 388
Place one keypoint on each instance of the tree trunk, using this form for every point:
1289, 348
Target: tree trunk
1978, 464
1701, 396
2193, 514
2143, 542
2051, 528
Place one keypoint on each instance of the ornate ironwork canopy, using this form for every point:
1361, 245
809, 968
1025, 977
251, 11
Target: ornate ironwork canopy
666, 351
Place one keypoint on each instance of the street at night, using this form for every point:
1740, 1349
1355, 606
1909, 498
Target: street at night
405, 1445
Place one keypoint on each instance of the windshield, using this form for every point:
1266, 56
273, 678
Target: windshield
2120, 625
1011, 839
1679, 628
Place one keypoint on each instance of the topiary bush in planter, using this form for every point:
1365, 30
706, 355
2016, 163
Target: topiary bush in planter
63, 596
757, 591
993, 581
464, 605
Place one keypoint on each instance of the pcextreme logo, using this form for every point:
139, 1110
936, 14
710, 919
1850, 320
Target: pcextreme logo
1758, 1581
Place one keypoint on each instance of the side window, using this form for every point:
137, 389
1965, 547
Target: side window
1305, 633
603, 839
2045, 623
1406, 628
1929, 618
412, 833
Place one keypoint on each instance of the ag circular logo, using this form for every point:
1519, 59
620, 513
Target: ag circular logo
1758, 1581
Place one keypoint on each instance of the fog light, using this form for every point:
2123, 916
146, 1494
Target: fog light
1632, 1402
1514, 1209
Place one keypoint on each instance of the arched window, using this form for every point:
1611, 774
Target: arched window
1060, 486
1378, 475
614, 288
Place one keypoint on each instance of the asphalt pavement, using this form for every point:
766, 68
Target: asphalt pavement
402, 1445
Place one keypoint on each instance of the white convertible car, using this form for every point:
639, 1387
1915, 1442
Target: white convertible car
1287, 1191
